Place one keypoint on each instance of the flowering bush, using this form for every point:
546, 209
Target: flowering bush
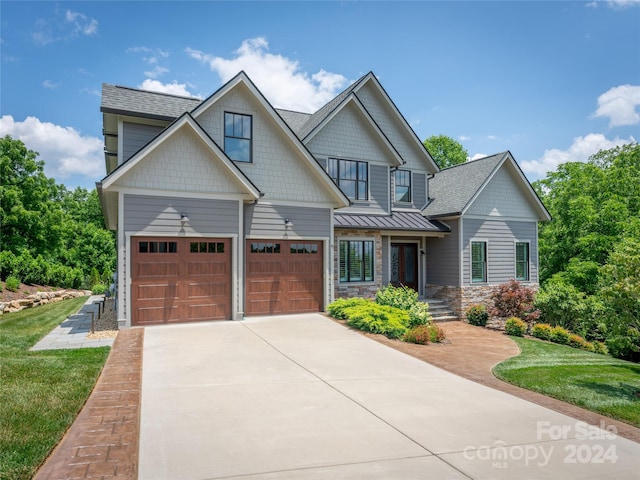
398, 297
419, 314
423, 334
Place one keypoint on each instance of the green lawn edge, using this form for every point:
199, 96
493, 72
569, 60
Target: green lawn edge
41, 392
599, 383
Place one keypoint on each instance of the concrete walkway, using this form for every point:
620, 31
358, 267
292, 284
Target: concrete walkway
72, 333
303, 397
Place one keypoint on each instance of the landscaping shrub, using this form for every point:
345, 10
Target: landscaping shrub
599, 347
336, 308
625, 345
419, 314
542, 331
560, 335
12, 283
423, 334
515, 326
399, 297
39, 271
512, 299
99, 289
477, 315
576, 341
419, 334
371, 317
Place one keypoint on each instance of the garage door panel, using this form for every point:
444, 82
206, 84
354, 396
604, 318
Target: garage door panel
154, 292
284, 277
157, 314
157, 269
179, 280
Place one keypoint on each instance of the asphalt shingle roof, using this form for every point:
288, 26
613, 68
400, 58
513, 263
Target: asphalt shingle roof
451, 189
117, 99
295, 120
397, 221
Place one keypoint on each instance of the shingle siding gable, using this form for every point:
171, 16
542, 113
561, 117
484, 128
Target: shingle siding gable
181, 163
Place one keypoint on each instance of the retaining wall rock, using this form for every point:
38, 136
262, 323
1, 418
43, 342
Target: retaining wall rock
40, 298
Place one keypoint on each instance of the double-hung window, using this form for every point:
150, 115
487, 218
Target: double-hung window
403, 186
351, 176
237, 136
522, 261
478, 262
356, 261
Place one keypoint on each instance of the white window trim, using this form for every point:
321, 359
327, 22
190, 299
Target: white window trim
515, 260
471, 242
357, 239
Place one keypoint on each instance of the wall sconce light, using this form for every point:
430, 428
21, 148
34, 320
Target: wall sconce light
422, 252
184, 219
288, 223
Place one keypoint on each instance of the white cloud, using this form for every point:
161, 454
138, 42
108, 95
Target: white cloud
174, 88
82, 25
623, 3
151, 56
278, 77
619, 105
476, 157
156, 72
51, 85
464, 138
579, 151
64, 150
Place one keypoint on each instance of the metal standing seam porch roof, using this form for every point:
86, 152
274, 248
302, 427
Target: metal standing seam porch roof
408, 221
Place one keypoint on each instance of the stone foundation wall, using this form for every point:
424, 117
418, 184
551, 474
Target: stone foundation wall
461, 298
40, 298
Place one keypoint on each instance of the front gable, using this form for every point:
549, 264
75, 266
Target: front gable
394, 126
281, 167
504, 196
350, 132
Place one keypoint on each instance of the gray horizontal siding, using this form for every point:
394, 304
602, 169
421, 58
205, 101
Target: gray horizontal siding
443, 258
135, 136
379, 187
501, 237
162, 215
268, 221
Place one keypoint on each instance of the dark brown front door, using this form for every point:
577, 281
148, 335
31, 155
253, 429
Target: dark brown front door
404, 265
284, 276
180, 280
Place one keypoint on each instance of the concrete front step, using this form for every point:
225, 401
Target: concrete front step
440, 311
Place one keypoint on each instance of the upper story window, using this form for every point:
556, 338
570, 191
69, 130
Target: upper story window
403, 186
351, 176
237, 136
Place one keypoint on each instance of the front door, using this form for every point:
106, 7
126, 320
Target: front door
404, 265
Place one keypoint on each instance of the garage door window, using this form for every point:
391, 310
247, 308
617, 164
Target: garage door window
265, 247
304, 248
158, 247
206, 247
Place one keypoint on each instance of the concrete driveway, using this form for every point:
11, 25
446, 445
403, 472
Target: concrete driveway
301, 397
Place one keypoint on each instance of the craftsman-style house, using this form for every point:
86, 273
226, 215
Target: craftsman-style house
227, 207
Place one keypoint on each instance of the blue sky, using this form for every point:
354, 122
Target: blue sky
550, 81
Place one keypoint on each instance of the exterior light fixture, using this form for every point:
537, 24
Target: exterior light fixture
288, 223
184, 219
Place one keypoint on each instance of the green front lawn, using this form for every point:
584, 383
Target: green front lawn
599, 383
40, 392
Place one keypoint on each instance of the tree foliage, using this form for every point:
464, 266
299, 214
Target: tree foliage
590, 251
445, 151
48, 234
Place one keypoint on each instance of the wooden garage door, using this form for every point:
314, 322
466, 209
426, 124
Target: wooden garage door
284, 277
180, 280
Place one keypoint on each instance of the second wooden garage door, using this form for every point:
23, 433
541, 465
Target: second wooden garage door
180, 280
284, 276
